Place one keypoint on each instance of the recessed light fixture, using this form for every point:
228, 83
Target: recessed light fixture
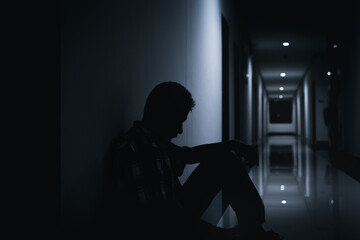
286, 44
281, 88
282, 74
328, 73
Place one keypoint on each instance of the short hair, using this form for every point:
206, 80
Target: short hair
166, 98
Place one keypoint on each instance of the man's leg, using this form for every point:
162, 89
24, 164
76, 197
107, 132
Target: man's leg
228, 174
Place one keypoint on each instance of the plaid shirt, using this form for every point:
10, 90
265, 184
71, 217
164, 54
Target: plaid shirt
146, 171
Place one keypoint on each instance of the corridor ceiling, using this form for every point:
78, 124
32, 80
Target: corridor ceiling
305, 25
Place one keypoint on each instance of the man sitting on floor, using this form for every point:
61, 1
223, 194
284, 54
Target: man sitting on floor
148, 200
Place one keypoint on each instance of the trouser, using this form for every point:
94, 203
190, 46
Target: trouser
225, 173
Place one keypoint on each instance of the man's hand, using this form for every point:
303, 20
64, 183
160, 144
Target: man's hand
205, 151
249, 152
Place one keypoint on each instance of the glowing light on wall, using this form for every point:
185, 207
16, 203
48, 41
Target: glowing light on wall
282, 74
281, 96
249, 90
281, 88
335, 46
286, 44
284, 202
206, 69
282, 187
328, 73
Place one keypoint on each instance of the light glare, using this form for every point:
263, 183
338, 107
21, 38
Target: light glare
286, 44
282, 187
282, 74
283, 201
281, 88
328, 73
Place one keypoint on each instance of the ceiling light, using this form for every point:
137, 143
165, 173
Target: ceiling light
283, 201
282, 74
286, 44
328, 73
282, 187
281, 96
281, 88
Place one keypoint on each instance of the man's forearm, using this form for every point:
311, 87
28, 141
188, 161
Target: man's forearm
202, 152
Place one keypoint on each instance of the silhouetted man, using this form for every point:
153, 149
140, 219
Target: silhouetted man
148, 201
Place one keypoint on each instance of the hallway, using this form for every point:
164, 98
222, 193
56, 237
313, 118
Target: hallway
304, 196
267, 73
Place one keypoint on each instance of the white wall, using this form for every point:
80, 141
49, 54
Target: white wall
298, 112
321, 102
317, 74
248, 110
266, 113
307, 102
315, 89
259, 108
305, 119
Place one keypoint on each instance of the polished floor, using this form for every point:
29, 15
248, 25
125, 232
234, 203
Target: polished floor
305, 197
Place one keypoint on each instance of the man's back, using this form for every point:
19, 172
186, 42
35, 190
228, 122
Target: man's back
145, 189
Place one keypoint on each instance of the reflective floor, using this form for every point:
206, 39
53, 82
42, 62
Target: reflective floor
304, 196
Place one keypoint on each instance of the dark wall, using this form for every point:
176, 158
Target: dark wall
344, 83
351, 86
321, 101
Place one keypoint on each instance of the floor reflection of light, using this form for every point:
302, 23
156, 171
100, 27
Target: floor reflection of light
319, 199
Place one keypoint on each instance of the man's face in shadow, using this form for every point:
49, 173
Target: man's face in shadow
172, 124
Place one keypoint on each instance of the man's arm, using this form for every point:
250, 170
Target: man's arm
199, 153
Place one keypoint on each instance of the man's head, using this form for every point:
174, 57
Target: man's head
166, 109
